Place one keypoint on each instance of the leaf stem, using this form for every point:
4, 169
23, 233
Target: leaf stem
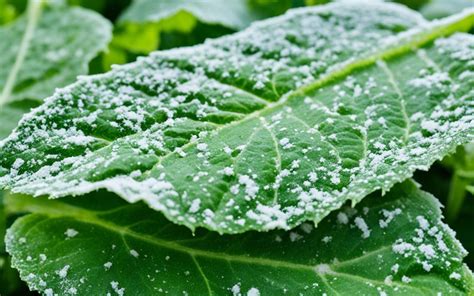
33, 14
457, 194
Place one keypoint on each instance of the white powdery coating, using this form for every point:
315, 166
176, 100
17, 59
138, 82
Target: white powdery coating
63, 272
251, 187
201, 146
424, 224
195, 205
115, 286
360, 223
427, 251
455, 276
389, 216
235, 289
70, 233
402, 248
253, 292
323, 269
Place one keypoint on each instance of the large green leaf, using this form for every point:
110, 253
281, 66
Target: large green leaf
273, 126
391, 244
44, 49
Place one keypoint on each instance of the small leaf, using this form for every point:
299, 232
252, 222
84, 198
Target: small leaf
441, 8
59, 48
268, 128
395, 244
42, 51
233, 14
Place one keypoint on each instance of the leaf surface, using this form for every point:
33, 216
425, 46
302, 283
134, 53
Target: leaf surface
264, 129
395, 244
44, 50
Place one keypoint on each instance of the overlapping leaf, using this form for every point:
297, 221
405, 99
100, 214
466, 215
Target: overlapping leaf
281, 123
394, 244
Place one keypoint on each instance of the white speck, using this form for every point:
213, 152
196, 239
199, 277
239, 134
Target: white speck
360, 223
202, 146
423, 222
108, 265
402, 247
117, 289
70, 233
251, 188
427, 250
285, 142
326, 239
228, 171
406, 279
227, 150
63, 272
389, 216
312, 177
426, 266
235, 289
455, 276
253, 292
195, 205
134, 253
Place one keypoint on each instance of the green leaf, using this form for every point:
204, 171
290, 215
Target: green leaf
141, 24
234, 14
49, 52
393, 244
441, 8
268, 128
45, 50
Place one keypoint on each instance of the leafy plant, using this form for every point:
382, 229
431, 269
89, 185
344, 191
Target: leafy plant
285, 141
